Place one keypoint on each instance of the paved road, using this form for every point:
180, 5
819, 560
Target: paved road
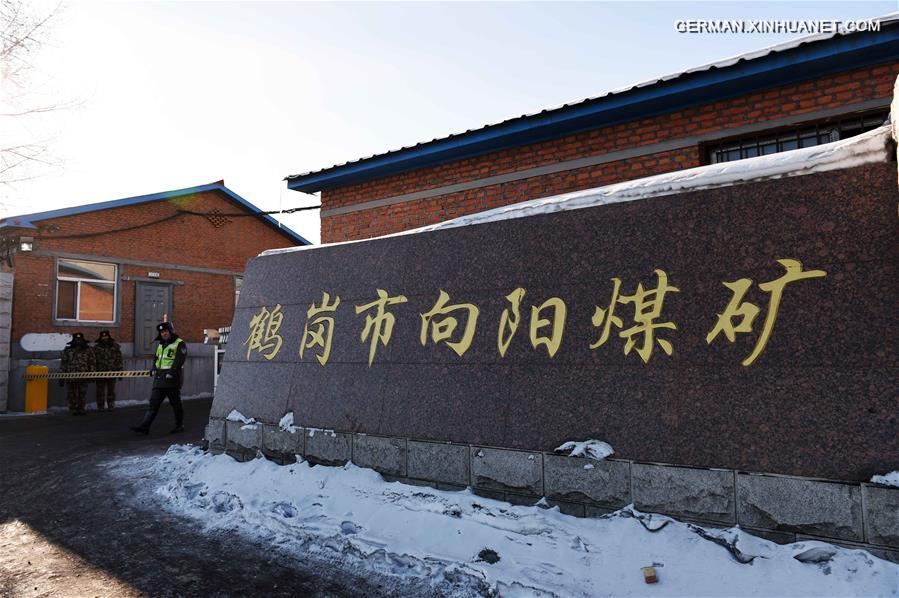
68, 530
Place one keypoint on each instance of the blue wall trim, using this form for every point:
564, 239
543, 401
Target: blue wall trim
28, 220
809, 60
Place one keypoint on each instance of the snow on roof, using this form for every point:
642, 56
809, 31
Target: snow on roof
718, 64
869, 148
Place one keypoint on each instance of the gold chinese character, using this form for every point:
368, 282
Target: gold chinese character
554, 340
264, 335
647, 308
382, 322
508, 325
323, 328
442, 330
607, 316
747, 312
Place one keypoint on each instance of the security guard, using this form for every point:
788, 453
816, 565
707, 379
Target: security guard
168, 377
108, 358
77, 357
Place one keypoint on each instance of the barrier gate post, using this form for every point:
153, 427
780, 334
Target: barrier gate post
36, 390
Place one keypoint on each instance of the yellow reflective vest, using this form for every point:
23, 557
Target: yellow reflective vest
165, 356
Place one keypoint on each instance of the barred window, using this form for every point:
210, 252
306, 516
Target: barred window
806, 135
85, 291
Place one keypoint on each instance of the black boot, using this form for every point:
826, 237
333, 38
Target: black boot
177, 429
144, 426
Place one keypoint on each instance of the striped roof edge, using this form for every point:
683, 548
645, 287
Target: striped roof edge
28, 220
788, 62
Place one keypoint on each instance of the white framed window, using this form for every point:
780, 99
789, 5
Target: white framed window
86, 291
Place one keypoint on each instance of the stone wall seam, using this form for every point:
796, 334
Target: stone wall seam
473, 455
630, 480
881, 530
543, 475
734, 497
864, 501
304, 443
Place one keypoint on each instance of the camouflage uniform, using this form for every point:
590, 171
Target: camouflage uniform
108, 357
77, 357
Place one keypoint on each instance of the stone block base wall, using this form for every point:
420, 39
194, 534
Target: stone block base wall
779, 508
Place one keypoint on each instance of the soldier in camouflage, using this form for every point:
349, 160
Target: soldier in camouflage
108, 357
77, 357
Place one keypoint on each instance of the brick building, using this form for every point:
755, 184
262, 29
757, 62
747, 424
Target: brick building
126, 264
805, 92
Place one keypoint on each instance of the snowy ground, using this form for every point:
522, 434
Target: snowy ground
459, 544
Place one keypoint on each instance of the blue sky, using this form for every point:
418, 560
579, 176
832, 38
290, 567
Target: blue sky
176, 94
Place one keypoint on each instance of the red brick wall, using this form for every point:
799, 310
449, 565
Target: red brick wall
203, 301
800, 98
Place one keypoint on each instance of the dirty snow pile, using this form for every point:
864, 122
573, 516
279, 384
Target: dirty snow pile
286, 423
590, 449
237, 416
460, 544
890, 479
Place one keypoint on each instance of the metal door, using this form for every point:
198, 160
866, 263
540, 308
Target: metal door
152, 304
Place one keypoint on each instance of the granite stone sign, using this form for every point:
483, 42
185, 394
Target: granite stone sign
751, 327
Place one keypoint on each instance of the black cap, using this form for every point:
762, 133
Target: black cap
165, 326
77, 336
104, 333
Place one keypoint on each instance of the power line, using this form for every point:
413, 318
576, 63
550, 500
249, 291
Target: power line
247, 214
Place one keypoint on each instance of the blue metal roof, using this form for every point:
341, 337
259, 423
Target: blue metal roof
779, 65
28, 220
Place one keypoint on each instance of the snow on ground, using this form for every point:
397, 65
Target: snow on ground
591, 449
890, 479
461, 544
9, 414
